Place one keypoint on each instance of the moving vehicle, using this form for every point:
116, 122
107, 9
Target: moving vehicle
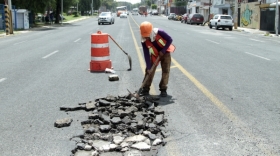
135, 11
142, 10
121, 9
123, 15
106, 17
221, 21
195, 19
171, 16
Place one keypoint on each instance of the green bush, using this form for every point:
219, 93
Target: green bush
75, 13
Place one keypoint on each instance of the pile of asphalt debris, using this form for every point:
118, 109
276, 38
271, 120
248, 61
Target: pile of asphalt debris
119, 124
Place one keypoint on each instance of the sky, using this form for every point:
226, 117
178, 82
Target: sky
131, 1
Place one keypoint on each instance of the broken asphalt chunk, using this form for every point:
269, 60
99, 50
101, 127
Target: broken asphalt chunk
63, 122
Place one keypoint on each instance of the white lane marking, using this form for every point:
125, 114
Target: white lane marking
3, 79
229, 37
274, 40
256, 40
257, 56
212, 41
19, 42
77, 40
50, 54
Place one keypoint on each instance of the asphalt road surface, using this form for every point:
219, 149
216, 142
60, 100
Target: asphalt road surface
224, 90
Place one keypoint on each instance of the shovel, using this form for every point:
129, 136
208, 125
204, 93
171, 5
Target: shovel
137, 94
129, 58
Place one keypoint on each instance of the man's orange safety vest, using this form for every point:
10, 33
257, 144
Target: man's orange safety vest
161, 43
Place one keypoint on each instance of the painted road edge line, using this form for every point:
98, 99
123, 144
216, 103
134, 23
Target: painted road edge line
268, 150
50, 54
257, 56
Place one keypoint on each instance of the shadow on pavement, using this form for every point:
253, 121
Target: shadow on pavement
163, 100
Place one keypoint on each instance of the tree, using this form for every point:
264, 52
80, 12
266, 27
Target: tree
66, 4
154, 6
181, 2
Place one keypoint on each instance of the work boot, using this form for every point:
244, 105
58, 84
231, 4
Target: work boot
163, 93
145, 92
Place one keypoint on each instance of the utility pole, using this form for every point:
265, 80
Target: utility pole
11, 17
235, 13
10, 4
276, 18
91, 7
61, 11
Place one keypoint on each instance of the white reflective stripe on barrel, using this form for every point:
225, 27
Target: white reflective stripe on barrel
101, 45
104, 58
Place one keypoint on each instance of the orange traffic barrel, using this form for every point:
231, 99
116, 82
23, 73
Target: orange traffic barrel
100, 52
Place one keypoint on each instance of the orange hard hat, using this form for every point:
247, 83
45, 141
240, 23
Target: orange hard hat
146, 29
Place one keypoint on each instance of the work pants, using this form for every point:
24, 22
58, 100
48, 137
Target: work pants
165, 63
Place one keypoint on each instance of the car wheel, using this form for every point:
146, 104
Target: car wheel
98, 23
216, 27
210, 26
230, 28
191, 22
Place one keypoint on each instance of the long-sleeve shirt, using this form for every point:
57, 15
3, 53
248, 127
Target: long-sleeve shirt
146, 52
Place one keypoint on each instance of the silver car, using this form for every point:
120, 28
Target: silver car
106, 17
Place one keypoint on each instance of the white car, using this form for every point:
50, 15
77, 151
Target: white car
134, 13
106, 17
221, 21
123, 15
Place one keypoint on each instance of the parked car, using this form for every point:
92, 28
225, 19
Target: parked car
154, 12
195, 19
106, 17
123, 15
221, 21
171, 16
184, 18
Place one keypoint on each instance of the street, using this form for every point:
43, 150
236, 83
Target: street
223, 91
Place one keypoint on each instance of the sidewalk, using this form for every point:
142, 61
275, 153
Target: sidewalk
45, 26
248, 30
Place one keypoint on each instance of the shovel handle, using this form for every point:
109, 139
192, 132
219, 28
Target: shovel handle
148, 76
117, 44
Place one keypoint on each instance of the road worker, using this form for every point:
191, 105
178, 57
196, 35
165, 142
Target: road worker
156, 43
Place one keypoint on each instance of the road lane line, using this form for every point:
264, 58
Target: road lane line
256, 40
19, 42
3, 79
258, 56
172, 146
77, 40
50, 54
268, 150
212, 41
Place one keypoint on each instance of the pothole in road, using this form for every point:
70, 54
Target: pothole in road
122, 124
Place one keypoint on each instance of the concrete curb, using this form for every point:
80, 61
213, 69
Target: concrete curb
43, 27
